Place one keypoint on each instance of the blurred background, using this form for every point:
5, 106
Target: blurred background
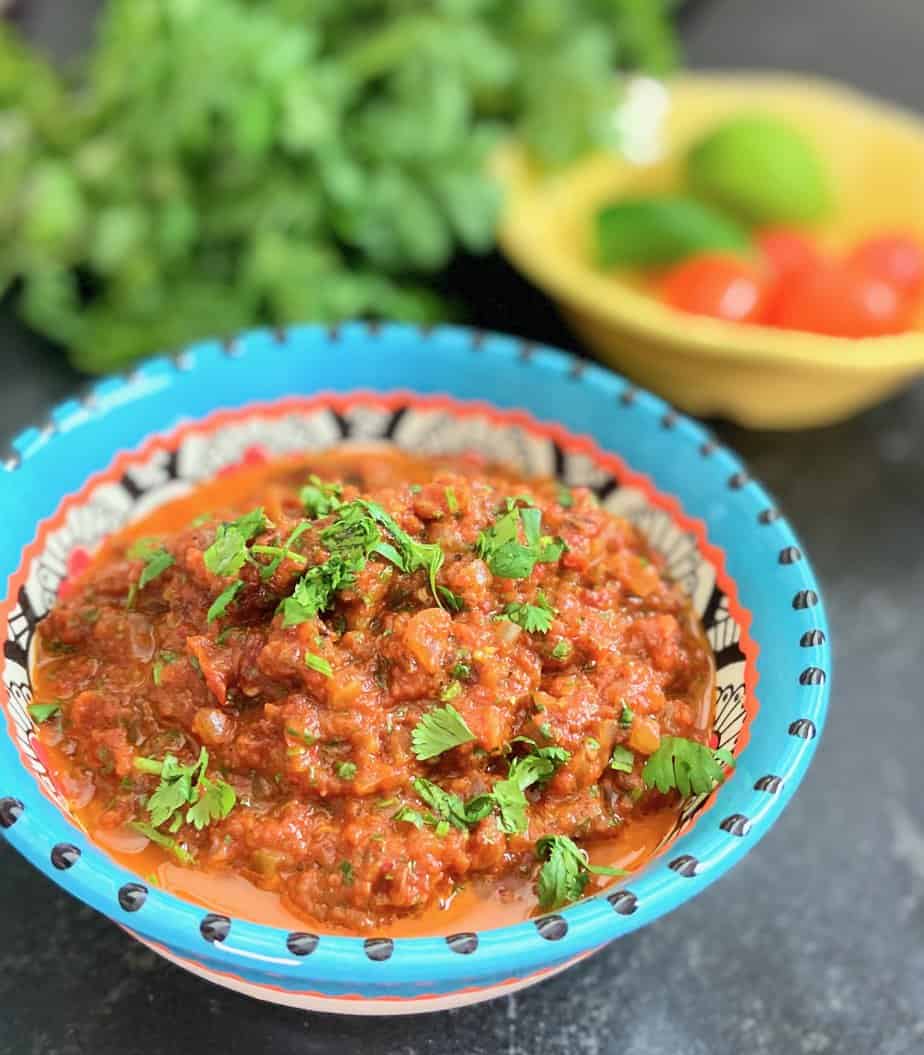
176, 169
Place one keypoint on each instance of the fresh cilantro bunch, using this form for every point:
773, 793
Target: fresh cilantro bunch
220, 163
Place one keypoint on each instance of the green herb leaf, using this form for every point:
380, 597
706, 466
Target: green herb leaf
534, 618
408, 555
41, 712
178, 851
622, 759
320, 499
438, 731
533, 768
346, 770
562, 650
461, 671
564, 497
452, 690
414, 817
306, 738
155, 563
215, 801
346, 870
508, 558
685, 765
319, 663
452, 503
449, 807
164, 657
626, 716
227, 554
221, 602
566, 871
454, 603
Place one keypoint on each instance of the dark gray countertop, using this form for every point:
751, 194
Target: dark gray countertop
815, 943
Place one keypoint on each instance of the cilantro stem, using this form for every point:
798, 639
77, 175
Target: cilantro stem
149, 765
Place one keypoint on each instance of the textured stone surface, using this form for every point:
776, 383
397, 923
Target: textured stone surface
812, 944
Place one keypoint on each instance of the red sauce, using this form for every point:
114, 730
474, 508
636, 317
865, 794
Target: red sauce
320, 765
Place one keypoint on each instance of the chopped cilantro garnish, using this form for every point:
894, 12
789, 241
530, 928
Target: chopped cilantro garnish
452, 503
505, 555
622, 759
414, 817
564, 497
163, 658
346, 770
449, 807
346, 870
221, 602
531, 769
415, 489
454, 603
227, 554
626, 715
41, 712
592, 744
407, 554
562, 650
318, 663
156, 561
461, 671
283, 552
452, 690
566, 871
186, 786
690, 767
320, 499
306, 738
180, 852
440, 730
535, 618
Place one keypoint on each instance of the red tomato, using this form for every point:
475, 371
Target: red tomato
895, 258
724, 287
788, 252
840, 301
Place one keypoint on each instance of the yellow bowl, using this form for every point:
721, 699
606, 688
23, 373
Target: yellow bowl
755, 375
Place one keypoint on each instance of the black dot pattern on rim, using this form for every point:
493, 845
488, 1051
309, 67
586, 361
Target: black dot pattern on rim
708, 448
628, 397
669, 420
464, 944
132, 896
333, 332
374, 326
182, 361
623, 901
685, 865
280, 335
736, 824
379, 949
526, 352
478, 339
768, 516
804, 728
805, 599
215, 927
10, 811
738, 480
812, 637
576, 370
232, 347
552, 928
790, 555
65, 855
300, 943
812, 676
773, 785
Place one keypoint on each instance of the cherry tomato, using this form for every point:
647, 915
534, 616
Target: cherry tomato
788, 252
895, 258
840, 301
724, 287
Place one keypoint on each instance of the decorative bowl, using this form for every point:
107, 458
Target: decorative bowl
756, 375
133, 442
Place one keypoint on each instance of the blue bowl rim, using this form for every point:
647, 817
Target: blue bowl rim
520, 949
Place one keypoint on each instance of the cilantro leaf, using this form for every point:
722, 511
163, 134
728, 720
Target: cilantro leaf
41, 712
221, 602
626, 715
408, 554
320, 499
622, 759
414, 817
227, 554
566, 871
155, 563
439, 730
564, 497
535, 618
534, 768
562, 650
346, 870
452, 690
454, 603
150, 832
318, 663
508, 558
346, 770
450, 807
689, 767
452, 503
215, 801
164, 657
